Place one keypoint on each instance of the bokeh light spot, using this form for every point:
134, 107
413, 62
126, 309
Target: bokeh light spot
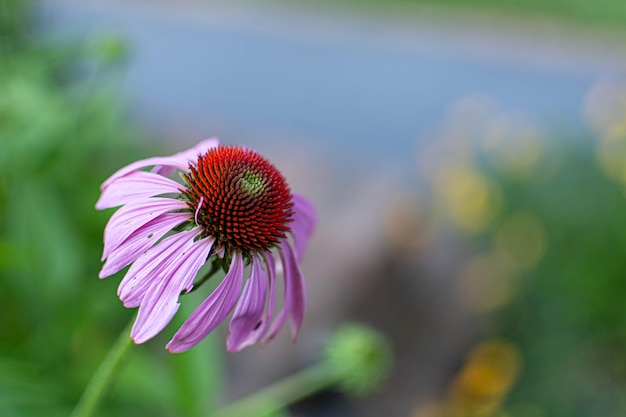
522, 239
469, 199
488, 282
486, 378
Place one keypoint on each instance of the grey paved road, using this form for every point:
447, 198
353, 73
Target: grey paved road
355, 85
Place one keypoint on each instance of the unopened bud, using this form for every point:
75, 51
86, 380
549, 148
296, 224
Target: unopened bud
360, 357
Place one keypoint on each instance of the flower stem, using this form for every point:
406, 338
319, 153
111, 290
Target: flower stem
104, 376
281, 394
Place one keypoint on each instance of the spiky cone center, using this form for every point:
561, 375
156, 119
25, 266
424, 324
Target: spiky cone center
239, 198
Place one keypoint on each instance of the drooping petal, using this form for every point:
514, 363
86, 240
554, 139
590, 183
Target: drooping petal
279, 320
212, 311
131, 217
304, 223
271, 274
160, 302
295, 294
140, 241
150, 265
180, 160
245, 325
135, 186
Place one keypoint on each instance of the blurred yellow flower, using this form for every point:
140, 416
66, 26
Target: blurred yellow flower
467, 197
480, 387
489, 372
513, 144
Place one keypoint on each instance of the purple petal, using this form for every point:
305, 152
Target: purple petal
135, 186
191, 155
212, 311
271, 271
245, 325
162, 161
140, 241
295, 294
131, 217
149, 266
180, 160
304, 222
160, 302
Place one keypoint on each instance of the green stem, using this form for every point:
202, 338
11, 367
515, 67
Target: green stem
104, 376
282, 393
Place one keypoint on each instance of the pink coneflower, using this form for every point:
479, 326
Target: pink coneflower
233, 209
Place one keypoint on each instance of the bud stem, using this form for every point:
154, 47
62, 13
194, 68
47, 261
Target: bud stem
282, 393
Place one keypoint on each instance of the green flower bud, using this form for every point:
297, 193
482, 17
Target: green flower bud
110, 48
359, 357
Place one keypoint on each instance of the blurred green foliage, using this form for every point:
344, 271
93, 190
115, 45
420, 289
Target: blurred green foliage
598, 11
568, 317
15, 16
62, 132
610, 13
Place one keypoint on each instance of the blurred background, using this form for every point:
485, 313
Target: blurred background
467, 159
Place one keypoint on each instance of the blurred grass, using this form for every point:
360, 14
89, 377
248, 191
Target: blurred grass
543, 224
598, 11
567, 316
62, 132
610, 13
